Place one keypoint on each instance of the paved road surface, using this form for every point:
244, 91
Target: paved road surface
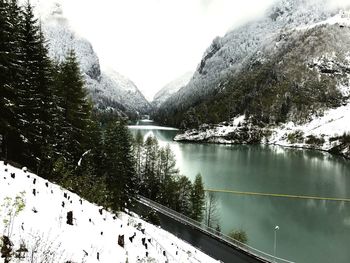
208, 245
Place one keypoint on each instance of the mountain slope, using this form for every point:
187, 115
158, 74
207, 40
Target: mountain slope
287, 73
171, 88
108, 89
45, 223
230, 55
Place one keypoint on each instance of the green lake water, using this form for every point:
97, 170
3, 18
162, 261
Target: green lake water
310, 230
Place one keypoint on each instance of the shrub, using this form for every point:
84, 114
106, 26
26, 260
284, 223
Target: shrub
313, 140
153, 218
239, 235
296, 137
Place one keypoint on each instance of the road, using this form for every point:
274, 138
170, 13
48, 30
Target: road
210, 245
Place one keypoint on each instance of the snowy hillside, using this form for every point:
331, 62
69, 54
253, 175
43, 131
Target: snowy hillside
245, 48
228, 54
282, 80
107, 88
62, 39
123, 90
41, 222
329, 132
170, 89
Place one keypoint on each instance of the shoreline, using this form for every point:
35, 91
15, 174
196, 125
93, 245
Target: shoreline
226, 142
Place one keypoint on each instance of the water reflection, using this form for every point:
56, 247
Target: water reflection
310, 230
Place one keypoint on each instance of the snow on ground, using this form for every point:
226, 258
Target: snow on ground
333, 123
35, 213
211, 134
342, 19
151, 127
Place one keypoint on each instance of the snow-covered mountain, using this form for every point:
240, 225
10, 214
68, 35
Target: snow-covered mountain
108, 89
171, 88
42, 222
287, 74
227, 55
124, 91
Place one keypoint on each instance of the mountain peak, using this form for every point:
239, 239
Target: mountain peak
108, 88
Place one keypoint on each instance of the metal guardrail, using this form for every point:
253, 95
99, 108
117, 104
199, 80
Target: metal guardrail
253, 252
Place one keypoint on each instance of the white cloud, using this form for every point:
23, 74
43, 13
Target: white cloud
154, 41
339, 3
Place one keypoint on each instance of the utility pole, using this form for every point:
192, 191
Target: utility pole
275, 243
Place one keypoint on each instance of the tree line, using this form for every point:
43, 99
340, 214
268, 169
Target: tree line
47, 122
161, 181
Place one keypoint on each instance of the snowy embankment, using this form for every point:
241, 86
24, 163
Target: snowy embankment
45, 223
320, 133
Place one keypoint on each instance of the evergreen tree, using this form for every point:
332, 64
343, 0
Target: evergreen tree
211, 210
48, 113
28, 88
9, 72
167, 176
167, 164
130, 188
150, 186
119, 165
183, 195
198, 199
138, 147
75, 109
7, 92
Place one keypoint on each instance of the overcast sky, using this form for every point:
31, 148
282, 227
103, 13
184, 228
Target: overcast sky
153, 42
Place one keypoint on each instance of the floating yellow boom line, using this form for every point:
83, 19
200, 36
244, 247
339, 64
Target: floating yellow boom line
279, 195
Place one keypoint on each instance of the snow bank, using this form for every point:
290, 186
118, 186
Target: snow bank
56, 225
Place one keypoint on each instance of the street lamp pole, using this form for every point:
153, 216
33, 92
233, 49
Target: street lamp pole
275, 243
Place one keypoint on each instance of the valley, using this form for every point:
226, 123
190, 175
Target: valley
247, 133
307, 227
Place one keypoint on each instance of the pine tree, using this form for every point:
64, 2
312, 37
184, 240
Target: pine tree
130, 188
167, 164
151, 184
6, 91
167, 176
211, 210
119, 165
9, 72
198, 199
75, 109
183, 195
138, 146
48, 112
28, 92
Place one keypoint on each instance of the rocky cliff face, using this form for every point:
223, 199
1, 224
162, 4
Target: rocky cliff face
108, 89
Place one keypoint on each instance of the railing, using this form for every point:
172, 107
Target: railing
253, 252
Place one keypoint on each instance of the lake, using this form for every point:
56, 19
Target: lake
310, 230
